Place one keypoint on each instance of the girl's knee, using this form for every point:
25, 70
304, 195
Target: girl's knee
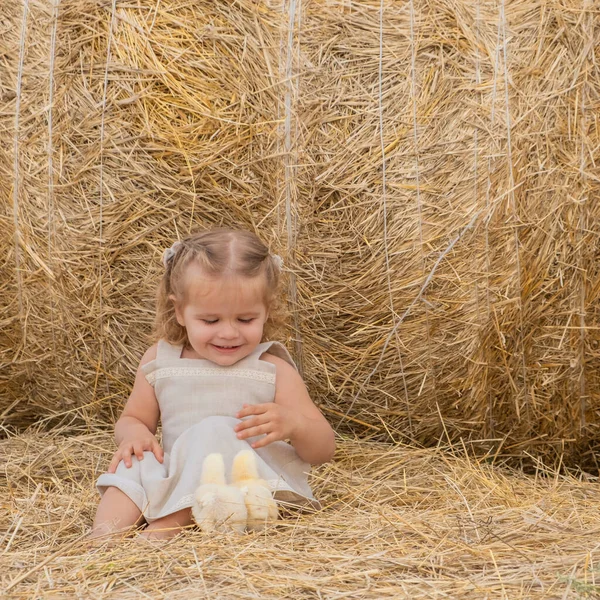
119, 500
116, 512
171, 524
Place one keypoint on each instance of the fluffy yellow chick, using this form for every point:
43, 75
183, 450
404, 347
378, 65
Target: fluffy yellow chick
217, 506
261, 507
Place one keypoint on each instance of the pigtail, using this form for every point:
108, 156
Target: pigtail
166, 325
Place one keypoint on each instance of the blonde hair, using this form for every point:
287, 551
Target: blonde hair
217, 252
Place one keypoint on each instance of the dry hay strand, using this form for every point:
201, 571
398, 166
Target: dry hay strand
396, 522
427, 169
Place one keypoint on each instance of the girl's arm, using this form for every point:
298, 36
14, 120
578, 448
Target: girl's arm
135, 429
293, 415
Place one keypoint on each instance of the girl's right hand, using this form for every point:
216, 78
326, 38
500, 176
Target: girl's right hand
127, 448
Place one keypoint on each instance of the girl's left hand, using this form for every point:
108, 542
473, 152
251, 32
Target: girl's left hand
272, 420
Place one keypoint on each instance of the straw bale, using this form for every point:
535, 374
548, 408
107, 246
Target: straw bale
162, 140
477, 143
429, 177
397, 522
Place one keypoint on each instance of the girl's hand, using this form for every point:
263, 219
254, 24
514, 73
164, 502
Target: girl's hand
272, 420
137, 446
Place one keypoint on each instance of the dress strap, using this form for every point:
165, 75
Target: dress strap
277, 349
166, 351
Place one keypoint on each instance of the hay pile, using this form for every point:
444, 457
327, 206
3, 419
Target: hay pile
428, 172
396, 523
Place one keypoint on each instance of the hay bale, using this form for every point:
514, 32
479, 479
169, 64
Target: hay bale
157, 129
453, 129
396, 523
429, 177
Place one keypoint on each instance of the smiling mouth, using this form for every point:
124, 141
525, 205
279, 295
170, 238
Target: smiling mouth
226, 348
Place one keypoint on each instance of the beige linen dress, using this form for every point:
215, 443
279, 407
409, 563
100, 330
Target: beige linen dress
198, 401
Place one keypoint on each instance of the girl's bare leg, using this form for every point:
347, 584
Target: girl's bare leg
116, 513
168, 526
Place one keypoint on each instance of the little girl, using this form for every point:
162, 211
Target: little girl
215, 387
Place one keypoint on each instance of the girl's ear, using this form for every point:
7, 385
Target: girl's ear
178, 311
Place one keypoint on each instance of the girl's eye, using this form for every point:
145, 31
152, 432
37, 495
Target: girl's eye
245, 320
209, 322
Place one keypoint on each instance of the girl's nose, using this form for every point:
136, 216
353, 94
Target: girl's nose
229, 330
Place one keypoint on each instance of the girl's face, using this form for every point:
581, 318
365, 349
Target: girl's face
223, 316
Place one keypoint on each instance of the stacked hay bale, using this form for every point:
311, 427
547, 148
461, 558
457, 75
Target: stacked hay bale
426, 168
